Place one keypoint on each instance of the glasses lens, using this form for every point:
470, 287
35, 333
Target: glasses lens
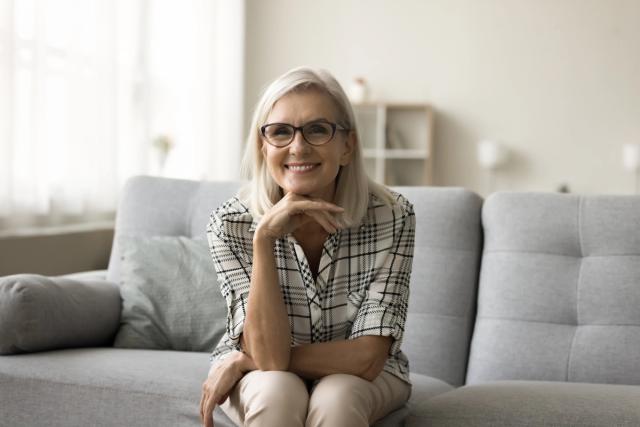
317, 133
278, 134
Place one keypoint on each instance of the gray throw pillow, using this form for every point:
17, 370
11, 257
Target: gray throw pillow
40, 313
170, 294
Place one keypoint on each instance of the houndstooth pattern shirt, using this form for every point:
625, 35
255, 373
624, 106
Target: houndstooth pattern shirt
362, 286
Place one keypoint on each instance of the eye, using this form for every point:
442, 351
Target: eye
278, 130
318, 129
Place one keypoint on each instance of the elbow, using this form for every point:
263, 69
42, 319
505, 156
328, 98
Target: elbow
375, 351
373, 368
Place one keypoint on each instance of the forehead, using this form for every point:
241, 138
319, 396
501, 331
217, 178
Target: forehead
301, 106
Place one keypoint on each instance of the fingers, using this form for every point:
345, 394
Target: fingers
312, 203
207, 405
317, 204
294, 211
321, 211
208, 412
326, 220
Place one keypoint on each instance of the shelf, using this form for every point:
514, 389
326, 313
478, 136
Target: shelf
397, 141
403, 172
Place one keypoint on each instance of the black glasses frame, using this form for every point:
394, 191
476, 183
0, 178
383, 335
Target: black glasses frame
334, 128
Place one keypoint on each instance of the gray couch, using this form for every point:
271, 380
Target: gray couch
524, 311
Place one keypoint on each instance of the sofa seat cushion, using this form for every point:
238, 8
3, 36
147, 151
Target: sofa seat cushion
423, 388
116, 387
533, 403
105, 387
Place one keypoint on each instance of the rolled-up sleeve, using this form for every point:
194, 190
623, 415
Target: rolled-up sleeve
228, 248
383, 311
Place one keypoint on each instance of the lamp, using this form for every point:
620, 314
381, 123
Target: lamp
491, 155
631, 161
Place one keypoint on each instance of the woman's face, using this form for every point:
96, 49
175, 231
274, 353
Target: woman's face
302, 168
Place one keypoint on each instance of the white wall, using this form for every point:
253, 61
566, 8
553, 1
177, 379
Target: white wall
558, 81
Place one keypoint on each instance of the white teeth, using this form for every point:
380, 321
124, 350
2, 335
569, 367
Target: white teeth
300, 168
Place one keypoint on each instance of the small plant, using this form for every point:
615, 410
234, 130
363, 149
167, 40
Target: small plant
163, 143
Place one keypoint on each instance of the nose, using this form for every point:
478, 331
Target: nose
298, 145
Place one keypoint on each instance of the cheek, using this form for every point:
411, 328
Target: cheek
272, 160
338, 158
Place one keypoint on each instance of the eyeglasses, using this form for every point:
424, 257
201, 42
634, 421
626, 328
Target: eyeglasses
315, 133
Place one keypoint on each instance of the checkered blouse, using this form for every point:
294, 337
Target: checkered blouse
362, 287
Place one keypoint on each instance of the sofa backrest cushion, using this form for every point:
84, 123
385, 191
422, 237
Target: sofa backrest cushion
445, 266
154, 206
443, 281
559, 292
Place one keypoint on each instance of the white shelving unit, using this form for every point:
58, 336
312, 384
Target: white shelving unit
397, 142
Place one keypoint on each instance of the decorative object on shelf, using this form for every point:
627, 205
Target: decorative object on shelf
631, 162
162, 146
397, 141
359, 90
491, 155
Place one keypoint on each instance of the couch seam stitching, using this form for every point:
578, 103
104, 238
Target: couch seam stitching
498, 251
557, 323
578, 279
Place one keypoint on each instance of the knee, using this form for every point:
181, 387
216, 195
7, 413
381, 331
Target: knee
280, 386
341, 389
339, 400
281, 398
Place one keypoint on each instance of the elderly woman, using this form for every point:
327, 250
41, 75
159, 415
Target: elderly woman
314, 260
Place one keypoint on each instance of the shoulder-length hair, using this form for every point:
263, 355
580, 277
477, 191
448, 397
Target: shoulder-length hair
353, 185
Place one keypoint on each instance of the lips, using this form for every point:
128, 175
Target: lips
301, 167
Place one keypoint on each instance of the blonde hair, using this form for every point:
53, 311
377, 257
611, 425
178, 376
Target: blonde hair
353, 186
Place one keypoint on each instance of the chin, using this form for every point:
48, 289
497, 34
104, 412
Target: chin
301, 188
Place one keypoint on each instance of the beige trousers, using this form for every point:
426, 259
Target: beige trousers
277, 398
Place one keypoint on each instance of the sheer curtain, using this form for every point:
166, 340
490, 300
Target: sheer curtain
95, 91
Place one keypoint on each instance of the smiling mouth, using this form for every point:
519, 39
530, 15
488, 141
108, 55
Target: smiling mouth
299, 168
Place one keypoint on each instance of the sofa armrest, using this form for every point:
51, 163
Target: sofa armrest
87, 275
43, 313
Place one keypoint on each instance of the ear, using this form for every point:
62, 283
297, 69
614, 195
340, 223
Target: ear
349, 148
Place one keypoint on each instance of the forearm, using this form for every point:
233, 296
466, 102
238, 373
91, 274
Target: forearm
355, 357
266, 333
